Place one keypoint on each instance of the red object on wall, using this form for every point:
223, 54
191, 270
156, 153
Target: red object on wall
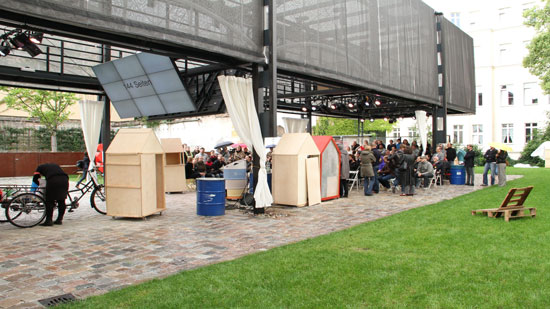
330, 167
98, 160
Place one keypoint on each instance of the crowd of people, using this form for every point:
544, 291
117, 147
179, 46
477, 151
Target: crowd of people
200, 163
406, 165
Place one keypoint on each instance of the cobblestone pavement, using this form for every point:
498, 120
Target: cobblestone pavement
91, 254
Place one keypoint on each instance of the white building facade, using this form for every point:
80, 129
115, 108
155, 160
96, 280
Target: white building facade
510, 104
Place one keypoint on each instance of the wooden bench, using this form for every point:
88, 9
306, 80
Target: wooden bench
512, 206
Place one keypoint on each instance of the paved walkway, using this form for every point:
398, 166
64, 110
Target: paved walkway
91, 254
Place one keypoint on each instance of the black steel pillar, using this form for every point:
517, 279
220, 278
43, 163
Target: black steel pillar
439, 114
309, 104
258, 99
106, 125
272, 65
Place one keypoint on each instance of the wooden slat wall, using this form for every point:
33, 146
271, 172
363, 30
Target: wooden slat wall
15, 164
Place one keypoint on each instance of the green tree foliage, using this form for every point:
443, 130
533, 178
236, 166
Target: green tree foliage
341, 126
479, 160
538, 59
51, 108
67, 139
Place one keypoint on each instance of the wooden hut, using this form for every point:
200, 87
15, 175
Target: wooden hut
134, 174
174, 167
330, 167
295, 174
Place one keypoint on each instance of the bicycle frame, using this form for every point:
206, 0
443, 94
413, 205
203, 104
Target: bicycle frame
90, 185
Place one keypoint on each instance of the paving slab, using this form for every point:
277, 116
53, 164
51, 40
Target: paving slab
91, 253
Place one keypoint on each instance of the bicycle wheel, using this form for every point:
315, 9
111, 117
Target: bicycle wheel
26, 210
97, 199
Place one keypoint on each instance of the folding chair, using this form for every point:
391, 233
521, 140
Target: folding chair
354, 179
512, 206
436, 179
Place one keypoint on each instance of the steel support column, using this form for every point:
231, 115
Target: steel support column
258, 100
272, 65
439, 114
106, 125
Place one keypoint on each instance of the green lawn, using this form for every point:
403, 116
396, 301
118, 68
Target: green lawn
435, 256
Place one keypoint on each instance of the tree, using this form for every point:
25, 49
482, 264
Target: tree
341, 126
538, 59
51, 108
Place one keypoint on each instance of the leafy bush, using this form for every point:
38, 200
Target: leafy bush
479, 159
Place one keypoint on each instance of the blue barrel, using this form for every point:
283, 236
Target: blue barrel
458, 175
251, 183
210, 196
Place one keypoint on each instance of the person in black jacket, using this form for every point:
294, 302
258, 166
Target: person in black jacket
469, 158
490, 164
57, 187
501, 166
450, 153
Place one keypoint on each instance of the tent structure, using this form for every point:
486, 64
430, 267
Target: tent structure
543, 152
295, 175
134, 174
330, 167
174, 167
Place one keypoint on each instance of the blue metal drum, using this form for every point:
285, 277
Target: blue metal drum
458, 175
251, 183
210, 196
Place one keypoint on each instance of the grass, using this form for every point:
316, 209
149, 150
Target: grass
434, 256
76, 177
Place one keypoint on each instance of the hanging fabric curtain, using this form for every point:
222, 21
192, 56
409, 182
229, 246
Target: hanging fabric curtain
239, 100
91, 114
422, 129
295, 125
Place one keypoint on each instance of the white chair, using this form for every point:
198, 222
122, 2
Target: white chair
354, 179
436, 179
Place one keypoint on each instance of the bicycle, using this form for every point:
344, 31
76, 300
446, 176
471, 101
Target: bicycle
28, 209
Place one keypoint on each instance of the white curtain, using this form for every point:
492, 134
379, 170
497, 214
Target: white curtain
239, 100
295, 125
422, 128
91, 114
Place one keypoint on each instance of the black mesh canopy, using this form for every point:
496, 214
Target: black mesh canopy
386, 46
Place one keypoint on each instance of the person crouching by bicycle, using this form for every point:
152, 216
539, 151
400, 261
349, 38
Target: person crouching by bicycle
57, 187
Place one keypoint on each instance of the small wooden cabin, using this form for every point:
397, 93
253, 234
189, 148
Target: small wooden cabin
134, 174
330, 167
289, 173
174, 167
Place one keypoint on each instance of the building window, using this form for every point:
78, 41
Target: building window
413, 134
528, 5
504, 52
530, 94
507, 133
506, 95
455, 18
504, 15
458, 134
477, 134
474, 17
530, 131
479, 97
396, 133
